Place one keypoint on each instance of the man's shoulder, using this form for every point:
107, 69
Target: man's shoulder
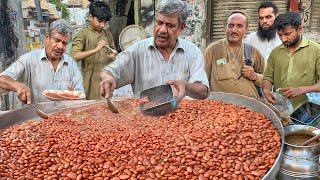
31, 54
216, 44
313, 43
253, 34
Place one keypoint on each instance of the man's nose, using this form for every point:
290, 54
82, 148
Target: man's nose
103, 24
60, 45
163, 28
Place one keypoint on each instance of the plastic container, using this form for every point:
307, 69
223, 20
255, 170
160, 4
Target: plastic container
307, 114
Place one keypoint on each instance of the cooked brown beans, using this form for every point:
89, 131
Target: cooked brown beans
203, 139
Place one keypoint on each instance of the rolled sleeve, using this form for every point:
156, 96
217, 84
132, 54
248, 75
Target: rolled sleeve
122, 69
16, 71
198, 73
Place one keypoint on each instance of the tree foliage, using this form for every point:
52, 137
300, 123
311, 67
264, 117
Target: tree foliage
60, 6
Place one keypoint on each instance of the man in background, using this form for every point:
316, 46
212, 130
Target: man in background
225, 60
266, 37
294, 66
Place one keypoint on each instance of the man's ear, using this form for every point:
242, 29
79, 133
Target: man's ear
300, 29
90, 17
183, 26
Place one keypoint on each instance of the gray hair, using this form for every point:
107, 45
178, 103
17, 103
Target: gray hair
60, 26
168, 7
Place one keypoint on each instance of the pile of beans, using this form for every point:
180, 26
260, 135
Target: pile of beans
203, 139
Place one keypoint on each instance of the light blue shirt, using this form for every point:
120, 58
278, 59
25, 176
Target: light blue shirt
263, 45
143, 66
36, 71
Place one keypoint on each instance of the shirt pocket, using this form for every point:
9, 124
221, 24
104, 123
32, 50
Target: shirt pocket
224, 72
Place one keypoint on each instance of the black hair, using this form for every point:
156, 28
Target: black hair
100, 10
288, 19
267, 4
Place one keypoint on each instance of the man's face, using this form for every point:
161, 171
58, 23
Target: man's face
266, 17
290, 36
97, 24
236, 28
166, 30
56, 45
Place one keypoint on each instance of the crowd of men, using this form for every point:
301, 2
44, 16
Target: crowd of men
276, 56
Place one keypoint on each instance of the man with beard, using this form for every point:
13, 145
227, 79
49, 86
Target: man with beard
265, 38
294, 66
225, 60
89, 47
163, 58
46, 68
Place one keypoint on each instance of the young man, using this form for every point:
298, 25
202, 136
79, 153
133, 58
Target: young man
225, 61
266, 37
46, 68
294, 66
163, 58
89, 47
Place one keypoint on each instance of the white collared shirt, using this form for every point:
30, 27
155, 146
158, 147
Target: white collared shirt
264, 46
143, 66
36, 71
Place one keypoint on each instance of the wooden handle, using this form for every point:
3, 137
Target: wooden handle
310, 140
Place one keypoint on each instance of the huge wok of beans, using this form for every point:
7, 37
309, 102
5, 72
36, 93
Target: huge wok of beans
203, 139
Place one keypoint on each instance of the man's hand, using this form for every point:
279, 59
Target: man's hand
179, 89
248, 72
23, 92
107, 84
268, 95
101, 44
291, 92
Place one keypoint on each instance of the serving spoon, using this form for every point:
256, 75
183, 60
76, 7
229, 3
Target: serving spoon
40, 113
113, 51
310, 140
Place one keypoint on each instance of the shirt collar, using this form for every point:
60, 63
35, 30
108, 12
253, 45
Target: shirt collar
178, 44
229, 45
43, 56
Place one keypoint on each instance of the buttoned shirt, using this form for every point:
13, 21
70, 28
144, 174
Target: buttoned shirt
87, 39
263, 45
224, 69
36, 71
143, 66
301, 68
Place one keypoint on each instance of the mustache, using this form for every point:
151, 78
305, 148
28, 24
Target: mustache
234, 33
58, 50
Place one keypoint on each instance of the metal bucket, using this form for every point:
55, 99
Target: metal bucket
300, 162
260, 107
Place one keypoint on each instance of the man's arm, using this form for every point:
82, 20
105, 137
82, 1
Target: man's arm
197, 90
267, 88
78, 56
23, 91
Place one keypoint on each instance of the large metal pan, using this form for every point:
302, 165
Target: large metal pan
257, 106
8, 118
26, 113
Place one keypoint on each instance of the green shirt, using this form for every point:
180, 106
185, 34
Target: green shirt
301, 68
85, 40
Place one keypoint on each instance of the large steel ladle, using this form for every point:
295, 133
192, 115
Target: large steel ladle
40, 113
